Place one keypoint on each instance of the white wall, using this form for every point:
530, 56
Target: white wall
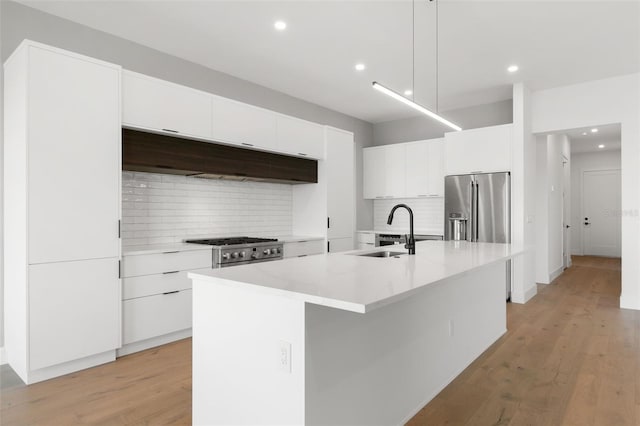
607, 101
579, 163
551, 150
523, 206
422, 127
159, 208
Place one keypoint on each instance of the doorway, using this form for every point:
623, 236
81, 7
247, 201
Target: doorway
601, 224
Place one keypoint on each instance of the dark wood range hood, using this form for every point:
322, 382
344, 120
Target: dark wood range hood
151, 152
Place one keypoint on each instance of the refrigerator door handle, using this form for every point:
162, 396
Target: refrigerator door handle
472, 221
476, 208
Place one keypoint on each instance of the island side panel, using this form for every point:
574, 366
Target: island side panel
237, 375
382, 367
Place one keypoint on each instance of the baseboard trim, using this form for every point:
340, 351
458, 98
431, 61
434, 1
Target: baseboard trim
555, 274
68, 367
3, 356
628, 303
153, 342
524, 298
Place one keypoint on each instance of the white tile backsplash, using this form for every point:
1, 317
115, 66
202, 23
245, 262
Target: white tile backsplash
158, 208
428, 214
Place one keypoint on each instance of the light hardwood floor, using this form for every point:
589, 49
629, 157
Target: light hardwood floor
570, 357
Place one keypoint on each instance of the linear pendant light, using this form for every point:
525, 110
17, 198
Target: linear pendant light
412, 104
397, 96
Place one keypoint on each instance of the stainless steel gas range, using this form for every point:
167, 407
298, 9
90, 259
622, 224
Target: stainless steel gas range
241, 250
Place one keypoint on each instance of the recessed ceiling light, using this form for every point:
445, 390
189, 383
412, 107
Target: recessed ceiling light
360, 67
408, 92
280, 25
594, 130
600, 146
512, 68
584, 133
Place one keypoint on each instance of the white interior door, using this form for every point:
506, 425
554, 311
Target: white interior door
566, 212
601, 231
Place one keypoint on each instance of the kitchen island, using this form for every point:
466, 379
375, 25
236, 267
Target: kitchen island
343, 338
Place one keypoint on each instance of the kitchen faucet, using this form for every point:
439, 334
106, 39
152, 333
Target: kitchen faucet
411, 241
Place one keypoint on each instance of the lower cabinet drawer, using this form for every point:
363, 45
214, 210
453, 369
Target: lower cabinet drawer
148, 285
152, 316
303, 248
157, 263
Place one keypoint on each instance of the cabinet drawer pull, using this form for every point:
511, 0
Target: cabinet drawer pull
172, 292
170, 252
247, 144
171, 130
170, 272
302, 255
422, 195
302, 153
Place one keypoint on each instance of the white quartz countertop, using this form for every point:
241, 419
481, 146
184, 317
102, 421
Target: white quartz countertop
358, 283
416, 231
162, 248
296, 238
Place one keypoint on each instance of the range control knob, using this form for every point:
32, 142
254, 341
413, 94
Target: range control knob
278, 250
241, 254
226, 256
267, 252
254, 256
235, 255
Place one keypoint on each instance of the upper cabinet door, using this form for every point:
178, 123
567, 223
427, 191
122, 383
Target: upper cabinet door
300, 138
435, 168
154, 104
374, 172
244, 125
74, 164
483, 150
340, 166
417, 169
395, 165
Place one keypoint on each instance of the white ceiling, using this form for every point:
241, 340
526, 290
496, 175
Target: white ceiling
610, 136
555, 43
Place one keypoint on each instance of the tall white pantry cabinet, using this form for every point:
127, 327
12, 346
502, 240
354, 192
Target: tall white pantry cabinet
62, 164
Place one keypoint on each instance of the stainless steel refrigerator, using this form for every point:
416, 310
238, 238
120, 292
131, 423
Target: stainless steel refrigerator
478, 208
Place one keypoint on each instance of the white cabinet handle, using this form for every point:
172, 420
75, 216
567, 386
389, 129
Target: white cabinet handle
171, 292
171, 130
170, 272
247, 144
302, 153
170, 252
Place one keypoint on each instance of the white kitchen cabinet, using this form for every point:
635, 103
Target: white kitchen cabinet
73, 158
374, 172
245, 125
328, 208
303, 248
424, 171
156, 297
300, 138
153, 104
483, 150
340, 170
365, 240
384, 171
148, 317
73, 310
404, 170
62, 208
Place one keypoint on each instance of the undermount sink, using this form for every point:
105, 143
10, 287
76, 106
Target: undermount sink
382, 254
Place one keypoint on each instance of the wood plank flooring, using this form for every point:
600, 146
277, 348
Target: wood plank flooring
570, 357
